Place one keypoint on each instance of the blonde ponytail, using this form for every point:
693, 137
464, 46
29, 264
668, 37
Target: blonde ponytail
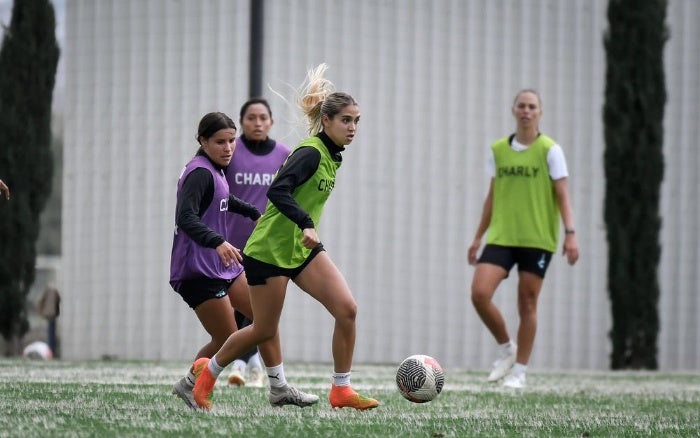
316, 98
312, 94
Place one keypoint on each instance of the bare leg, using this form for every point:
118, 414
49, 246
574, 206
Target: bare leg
486, 279
217, 319
266, 301
214, 315
239, 296
529, 288
322, 280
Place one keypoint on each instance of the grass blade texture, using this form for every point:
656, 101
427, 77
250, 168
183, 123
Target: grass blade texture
126, 398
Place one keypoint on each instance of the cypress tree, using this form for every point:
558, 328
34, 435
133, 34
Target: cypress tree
28, 61
635, 97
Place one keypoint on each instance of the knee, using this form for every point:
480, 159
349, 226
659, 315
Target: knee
219, 337
528, 303
263, 334
347, 313
480, 297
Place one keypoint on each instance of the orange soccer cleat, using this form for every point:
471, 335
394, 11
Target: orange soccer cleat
346, 397
203, 384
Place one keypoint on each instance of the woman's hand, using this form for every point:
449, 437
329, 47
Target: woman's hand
473, 251
570, 249
309, 238
229, 255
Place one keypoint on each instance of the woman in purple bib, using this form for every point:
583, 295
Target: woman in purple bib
253, 166
205, 269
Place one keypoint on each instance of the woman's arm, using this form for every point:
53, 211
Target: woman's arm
561, 190
195, 195
298, 168
483, 226
239, 206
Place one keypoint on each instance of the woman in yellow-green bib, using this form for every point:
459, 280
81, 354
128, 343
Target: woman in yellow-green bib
527, 196
285, 246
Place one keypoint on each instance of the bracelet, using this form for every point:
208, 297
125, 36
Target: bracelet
569, 231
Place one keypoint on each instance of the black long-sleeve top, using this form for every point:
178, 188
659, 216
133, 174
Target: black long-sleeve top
298, 168
196, 194
258, 147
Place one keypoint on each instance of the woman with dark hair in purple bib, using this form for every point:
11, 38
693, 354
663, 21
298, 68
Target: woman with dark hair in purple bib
205, 269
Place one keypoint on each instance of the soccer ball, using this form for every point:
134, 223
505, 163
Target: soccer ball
37, 350
420, 378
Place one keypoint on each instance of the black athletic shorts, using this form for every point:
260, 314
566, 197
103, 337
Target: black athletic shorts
197, 290
258, 272
532, 260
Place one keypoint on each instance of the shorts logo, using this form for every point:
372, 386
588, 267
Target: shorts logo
220, 294
542, 262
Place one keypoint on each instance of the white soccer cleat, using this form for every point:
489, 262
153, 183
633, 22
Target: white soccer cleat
255, 378
184, 391
288, 395
503, 365
514, 380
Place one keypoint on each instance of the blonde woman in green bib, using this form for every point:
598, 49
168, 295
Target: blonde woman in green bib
285, 246
527, 197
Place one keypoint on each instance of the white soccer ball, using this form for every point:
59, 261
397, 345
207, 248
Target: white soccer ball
37, 350
420, 378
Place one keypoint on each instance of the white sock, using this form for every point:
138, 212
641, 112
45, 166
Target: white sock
276, 376
214, 367
519, 368
341, 379
508, 348
254, 361
189, 379
238, 365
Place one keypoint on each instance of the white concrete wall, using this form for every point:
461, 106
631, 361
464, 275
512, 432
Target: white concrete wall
435, 81
679, 274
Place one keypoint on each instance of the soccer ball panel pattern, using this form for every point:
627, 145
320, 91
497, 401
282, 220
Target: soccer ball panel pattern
420, 378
